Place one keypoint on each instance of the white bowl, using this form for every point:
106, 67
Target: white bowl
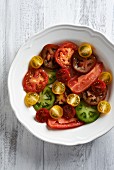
103, 48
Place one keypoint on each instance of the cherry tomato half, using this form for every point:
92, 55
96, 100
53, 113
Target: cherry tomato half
83, 65
63, 123
63, 75
58, 88
31, 99
73, 99
35, 80
36, 62
68, 111
85, 50
80, 84
104, 107
106, 77
98, 87
56, 112
48, 55
42, 115
64, 53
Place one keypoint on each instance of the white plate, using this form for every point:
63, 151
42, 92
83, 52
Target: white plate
102, 47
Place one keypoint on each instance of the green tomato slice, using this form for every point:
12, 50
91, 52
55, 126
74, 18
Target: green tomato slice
87, 113
46, 99
51, 75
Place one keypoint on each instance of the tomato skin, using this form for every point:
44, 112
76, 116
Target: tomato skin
80, 84
68, 111
85, 50
69, 44
83, 65
66, 124
48, 55
42, 115
35, 80
64, 54
63, 75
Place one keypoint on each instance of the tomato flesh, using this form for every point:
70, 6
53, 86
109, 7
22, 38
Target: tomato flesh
63, 123
64, 54
98, 87
42, 115
35, 80
78, 85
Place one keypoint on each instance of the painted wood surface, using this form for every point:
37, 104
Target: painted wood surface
19, 20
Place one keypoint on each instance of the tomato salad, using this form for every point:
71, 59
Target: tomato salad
66, 84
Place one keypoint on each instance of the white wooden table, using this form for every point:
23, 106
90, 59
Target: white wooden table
20, 150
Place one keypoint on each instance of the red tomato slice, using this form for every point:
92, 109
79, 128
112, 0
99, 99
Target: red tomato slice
48, 55
35, 80
98, 87
68, 111
64, 123
78, 85
63, 75
83, 65
42, 115
64, 53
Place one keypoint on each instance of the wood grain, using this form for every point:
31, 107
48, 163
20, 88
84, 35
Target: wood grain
20, 150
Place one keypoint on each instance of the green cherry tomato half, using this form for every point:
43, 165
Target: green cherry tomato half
36, 62
46, 99
58, 88
56, 112
31, 98
85, 50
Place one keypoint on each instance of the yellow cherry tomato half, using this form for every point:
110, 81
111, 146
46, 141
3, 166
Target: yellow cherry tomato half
73, 99
36, 62
85, 50
106, 77
104, 107
56, 112
58, 88
31, 98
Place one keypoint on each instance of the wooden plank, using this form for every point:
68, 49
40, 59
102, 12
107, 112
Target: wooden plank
20, 149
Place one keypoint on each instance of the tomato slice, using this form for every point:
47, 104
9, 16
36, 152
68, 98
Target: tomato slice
104, 107
91, 98
85, 50
98, 87
48, 55
56, 112
36, 62
42, 115
106, 77
83, 65
78, 85
63, 75
58, 87
64, 54
35, 80
68, 111
73, 99
87, 113
63, 123
31, 99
